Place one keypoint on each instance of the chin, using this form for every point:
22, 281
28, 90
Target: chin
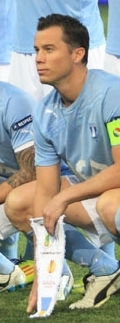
44, 81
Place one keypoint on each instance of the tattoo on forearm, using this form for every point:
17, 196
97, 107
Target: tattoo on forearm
26, 173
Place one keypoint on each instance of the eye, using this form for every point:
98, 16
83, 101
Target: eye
49, 49
36, 49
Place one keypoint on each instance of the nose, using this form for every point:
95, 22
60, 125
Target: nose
40, 57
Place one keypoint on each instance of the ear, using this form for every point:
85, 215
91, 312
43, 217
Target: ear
78, 54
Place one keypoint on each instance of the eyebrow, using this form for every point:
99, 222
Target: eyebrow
45, 45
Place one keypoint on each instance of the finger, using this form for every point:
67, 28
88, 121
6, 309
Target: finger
32, 303
31, 306
49, 225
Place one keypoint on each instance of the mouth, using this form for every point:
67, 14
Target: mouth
41, 71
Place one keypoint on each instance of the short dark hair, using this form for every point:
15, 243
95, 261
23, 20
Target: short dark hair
75, 33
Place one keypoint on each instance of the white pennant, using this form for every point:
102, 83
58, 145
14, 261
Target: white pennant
49, 255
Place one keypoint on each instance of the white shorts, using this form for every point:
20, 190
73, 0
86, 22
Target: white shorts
112, 64
99, 235
96, 57
6, 227
23, 73
4, 72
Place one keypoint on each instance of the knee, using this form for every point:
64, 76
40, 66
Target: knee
102, 206
12, 208
106, 208
12, 204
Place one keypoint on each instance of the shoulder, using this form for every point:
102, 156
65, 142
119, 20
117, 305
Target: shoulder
100, 77
15, 100
101, 89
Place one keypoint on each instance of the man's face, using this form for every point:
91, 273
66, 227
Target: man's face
54, 59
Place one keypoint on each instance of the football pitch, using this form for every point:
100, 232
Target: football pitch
13, 304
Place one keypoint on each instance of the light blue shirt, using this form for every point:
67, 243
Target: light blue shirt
28, 12
78, 134
7, 24
113, 34
16, 133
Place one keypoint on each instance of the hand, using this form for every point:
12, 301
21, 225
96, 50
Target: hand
52, 211
32, 302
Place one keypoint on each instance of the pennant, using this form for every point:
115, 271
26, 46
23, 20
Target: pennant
49, 256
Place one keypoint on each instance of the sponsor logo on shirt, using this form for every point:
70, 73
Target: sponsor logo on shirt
116, 132
93, 130
113, 129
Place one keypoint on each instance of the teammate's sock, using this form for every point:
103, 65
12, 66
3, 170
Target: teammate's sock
9, 246
6, 266
109, 248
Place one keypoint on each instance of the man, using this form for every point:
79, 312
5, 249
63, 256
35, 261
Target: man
22, 67
110, 214
73, 115
17, 168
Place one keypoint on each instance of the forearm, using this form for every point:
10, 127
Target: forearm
107, 179
47, 185
40, 200
26, 172
21, 177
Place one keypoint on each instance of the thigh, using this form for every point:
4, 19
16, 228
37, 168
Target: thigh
23, 197
75, 213
107, 206
84, 215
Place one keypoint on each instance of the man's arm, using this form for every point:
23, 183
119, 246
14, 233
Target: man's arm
26, 173
107, 179
47, 185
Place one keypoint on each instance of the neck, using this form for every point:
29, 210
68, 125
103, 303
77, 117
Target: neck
73, 87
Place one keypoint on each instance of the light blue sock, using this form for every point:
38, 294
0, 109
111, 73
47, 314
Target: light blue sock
81, 251
9, 246
109, 248
6, 266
